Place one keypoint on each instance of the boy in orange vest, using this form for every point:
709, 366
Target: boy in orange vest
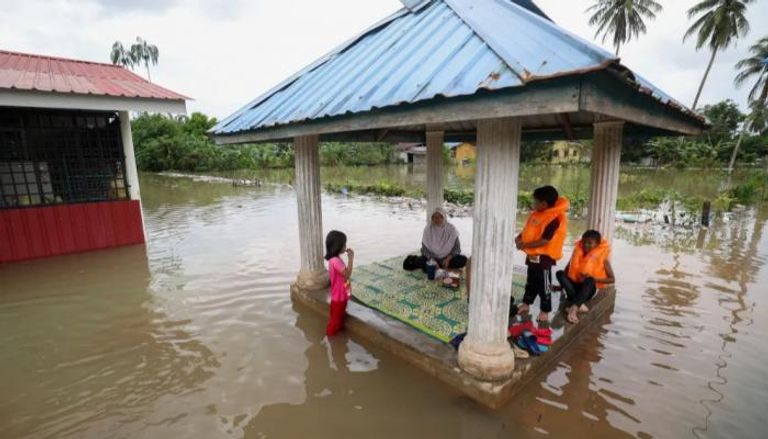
542, 241
588, 270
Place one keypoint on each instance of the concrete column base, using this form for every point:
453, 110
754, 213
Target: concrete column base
487, 362
309, 280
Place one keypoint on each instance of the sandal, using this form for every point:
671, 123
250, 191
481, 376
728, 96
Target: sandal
520, 353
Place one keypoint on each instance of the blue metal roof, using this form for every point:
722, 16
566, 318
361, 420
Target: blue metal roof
444, 48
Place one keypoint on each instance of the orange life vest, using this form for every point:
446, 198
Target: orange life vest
592, 263
538, 221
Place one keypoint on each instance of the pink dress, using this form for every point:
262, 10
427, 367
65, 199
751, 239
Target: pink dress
339, 296
339, 285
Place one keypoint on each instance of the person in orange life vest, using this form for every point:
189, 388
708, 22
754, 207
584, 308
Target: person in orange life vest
588, 270
339, 274
542, 241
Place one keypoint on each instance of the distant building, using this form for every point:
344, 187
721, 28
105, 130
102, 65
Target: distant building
412, 153
564, 152
463, 153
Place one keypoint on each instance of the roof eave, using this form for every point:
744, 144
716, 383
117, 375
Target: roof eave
74, 101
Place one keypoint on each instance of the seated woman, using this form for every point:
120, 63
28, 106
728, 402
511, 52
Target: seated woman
441, 243
588, 270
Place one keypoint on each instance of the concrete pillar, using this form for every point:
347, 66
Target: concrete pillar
312, 275
606, 161
435, 140
131, 170
485, 352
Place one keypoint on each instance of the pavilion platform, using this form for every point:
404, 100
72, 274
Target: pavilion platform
417, 328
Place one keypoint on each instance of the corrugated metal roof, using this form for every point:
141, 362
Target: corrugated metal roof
23, 71
447, 48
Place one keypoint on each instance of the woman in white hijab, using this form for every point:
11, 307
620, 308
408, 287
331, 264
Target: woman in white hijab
441, 242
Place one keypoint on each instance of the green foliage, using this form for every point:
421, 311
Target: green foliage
197, 124
653, 198
714, 148
725, 117
139, 52
535, 151
755, 66
182, 144
356, 154
382, 188
459, 196
682, 152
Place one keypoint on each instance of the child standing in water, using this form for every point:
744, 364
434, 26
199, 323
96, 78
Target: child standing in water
542, 241
588, 270
339, 273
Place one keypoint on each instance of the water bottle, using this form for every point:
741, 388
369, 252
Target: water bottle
431, 269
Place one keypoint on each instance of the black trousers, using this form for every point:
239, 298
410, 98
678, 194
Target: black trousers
457, 261
577, 293
539, 283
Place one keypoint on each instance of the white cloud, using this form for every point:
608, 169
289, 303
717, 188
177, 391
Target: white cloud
225, 53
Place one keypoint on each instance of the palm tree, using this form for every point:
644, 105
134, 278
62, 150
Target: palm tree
755, 122
142, 51
120, 56
718, 24
622, 19
755, 65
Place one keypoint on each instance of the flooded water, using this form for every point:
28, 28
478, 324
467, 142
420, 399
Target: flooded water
702, 182
195, 335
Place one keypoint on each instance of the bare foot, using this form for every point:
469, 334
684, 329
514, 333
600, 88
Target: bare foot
573, 314
523, 308
543, 317
583, 308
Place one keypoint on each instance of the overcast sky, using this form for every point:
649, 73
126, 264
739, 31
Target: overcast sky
224, 53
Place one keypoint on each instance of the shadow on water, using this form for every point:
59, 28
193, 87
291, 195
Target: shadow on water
103, 355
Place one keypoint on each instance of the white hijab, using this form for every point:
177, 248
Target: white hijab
440, 239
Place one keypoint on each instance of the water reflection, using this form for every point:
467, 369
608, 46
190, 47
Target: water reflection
199, 338
575, 398
95, 353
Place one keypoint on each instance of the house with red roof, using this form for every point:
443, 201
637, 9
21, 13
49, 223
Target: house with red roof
68, 177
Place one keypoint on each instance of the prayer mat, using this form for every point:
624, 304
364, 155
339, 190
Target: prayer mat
413, 299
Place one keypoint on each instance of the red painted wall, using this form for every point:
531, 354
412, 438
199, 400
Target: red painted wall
37, 232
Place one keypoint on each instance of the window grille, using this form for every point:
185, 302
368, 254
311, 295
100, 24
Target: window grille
57, 156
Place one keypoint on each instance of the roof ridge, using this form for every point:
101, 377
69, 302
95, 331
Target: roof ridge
547, 25
59, 58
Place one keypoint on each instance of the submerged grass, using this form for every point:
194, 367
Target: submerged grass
455, 196
746, 193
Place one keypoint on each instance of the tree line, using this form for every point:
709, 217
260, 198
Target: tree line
165, 143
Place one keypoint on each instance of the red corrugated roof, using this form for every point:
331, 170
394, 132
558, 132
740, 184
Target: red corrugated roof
23, 71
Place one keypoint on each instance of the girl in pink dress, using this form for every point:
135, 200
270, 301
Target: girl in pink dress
339, 273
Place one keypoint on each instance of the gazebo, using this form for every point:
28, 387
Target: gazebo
494, 72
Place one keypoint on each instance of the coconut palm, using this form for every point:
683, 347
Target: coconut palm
757, 119
718, 23
755, 122
142, 51
756, 65
120, 56
622, 19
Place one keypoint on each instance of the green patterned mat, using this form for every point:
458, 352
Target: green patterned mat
411, 298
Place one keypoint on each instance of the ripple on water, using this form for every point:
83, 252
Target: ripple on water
197, 332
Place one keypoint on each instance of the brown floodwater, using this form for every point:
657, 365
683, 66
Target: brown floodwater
195, 335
